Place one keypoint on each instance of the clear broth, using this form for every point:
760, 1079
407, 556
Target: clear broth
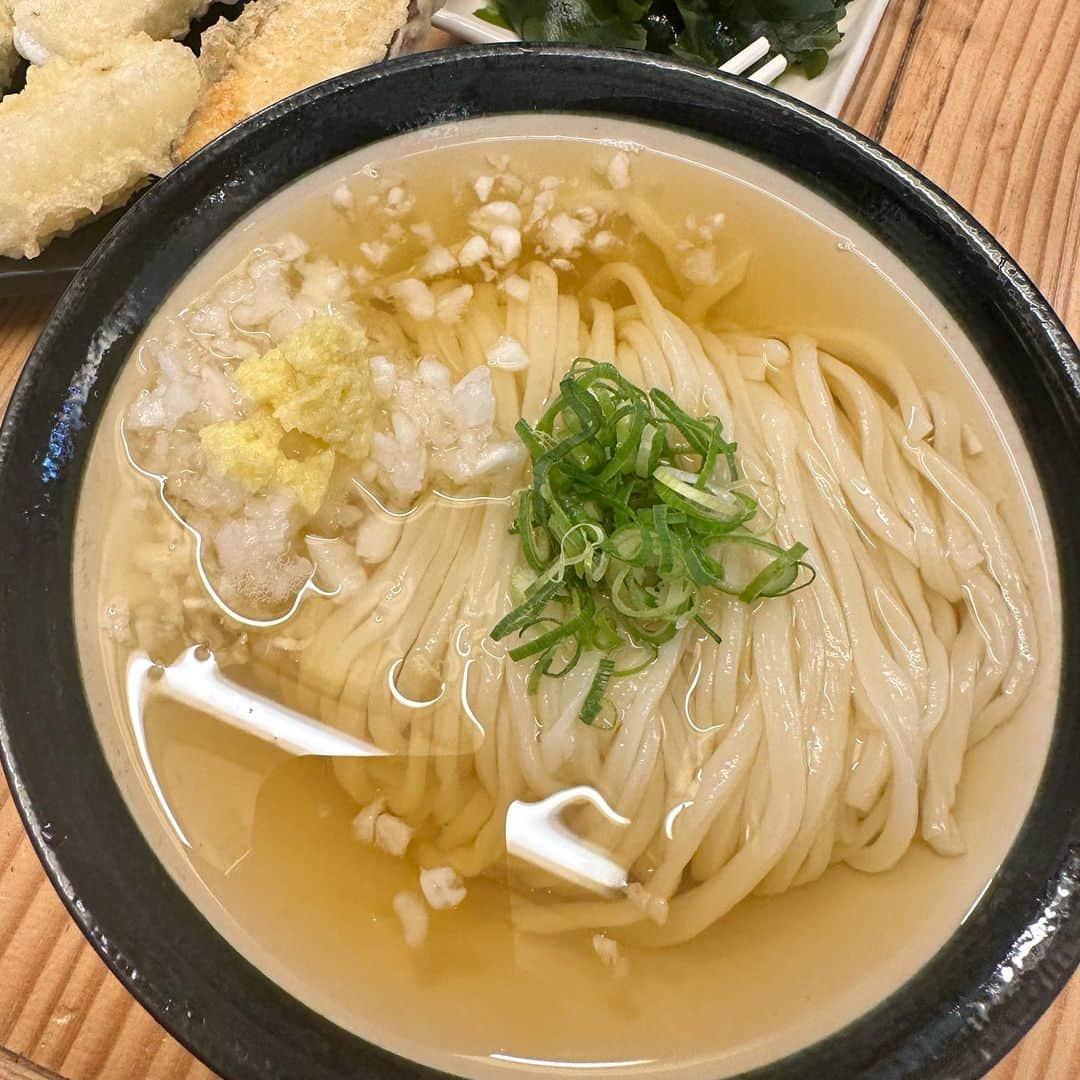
273, 864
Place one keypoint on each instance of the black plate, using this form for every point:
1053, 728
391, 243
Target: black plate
959, 1014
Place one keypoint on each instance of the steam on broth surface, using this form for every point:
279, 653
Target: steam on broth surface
479, 864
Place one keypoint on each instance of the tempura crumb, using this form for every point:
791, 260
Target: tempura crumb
377, 828
363, 825
451, 306
413, 916
442, 887
415, 297
618, 170
655, 907
603, 241
292, 247
699, 266
376, 252
423, 231
399, 202
507, 354
610, 954
516, 287
565, 235
342, 198
392, 835
474, 250
438, 261
493, 214
506, 245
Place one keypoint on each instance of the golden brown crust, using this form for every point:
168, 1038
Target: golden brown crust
79, 29
277, 47
82, 136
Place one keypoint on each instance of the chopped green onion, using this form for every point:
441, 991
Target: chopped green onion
663, 534
595, 697
543, 642
778, 577
623, 530
536, 599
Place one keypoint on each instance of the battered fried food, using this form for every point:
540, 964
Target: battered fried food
9, 57
79, 29
81, 137
277, 47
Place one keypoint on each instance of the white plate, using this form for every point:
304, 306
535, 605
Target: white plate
827, 92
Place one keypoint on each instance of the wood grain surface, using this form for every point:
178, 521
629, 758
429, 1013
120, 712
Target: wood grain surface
984, 97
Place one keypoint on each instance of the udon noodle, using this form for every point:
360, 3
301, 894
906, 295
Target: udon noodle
827, 725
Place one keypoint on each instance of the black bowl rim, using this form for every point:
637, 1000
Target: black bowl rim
957, 1016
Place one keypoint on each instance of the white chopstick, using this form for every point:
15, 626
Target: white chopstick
742, 61
768, 73
470, 28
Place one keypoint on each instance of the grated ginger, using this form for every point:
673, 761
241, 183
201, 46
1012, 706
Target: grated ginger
248, 451
317, 381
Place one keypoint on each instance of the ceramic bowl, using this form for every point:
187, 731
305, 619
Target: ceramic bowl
964, 1009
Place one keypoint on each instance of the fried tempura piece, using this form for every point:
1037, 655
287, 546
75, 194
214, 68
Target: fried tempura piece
79, 29
81, 137
9, 57
277, 47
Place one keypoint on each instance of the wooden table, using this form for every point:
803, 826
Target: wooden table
984, 97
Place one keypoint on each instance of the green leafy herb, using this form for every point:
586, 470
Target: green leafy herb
612, 23
624, 528
707, 32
